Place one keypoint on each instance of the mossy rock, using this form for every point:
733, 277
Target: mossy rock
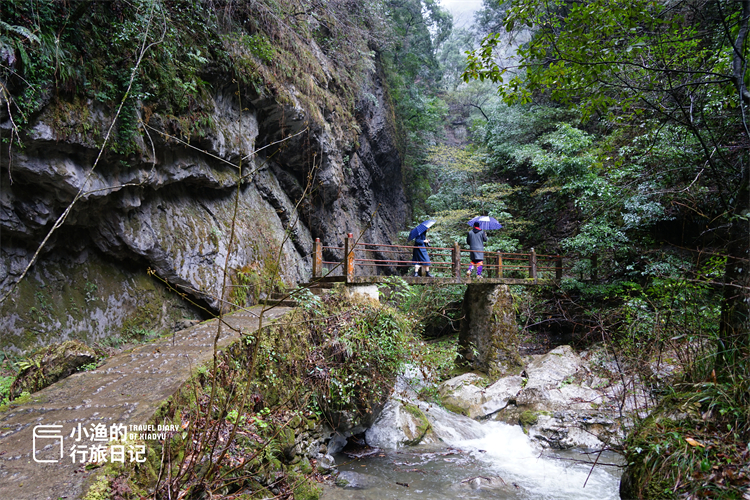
286, 439
528, 418
422, 424
455, 409
295, 422
304, 466
51, 364
304, 488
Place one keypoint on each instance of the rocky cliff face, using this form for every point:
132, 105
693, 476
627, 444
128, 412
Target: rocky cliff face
263, 182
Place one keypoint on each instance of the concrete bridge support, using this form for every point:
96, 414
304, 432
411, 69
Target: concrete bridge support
489, 336
365, 290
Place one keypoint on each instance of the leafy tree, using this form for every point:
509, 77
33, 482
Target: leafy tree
452, 58
417, 28
490, 18
656, 71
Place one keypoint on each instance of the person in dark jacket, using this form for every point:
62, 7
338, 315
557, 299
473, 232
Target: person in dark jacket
419, 255
476, 239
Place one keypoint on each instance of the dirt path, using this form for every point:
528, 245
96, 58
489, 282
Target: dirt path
46, 462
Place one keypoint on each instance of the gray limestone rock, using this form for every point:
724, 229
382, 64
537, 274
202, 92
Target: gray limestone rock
165, 213
551, 399
400, 424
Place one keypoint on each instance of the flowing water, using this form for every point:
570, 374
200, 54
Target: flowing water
476, 461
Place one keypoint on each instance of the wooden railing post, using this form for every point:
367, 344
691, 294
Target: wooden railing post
532, 264
456, 258
594, 265
349, 258
317, 261
499, 265
558, 268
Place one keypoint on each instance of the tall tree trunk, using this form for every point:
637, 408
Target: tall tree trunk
735, 315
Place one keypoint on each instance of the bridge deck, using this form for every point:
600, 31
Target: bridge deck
420, 280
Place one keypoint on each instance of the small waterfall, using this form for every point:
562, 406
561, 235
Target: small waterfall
464, 459
505, 450
509, 453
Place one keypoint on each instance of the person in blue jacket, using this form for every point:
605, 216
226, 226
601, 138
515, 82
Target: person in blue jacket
419, 255
476, 239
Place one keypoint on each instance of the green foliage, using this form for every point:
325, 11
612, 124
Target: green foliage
437, 359
309, 301
433, 311
89, 366
632, 184
416, 29
338, 357
234, 417
99, 489
67, 55
601, 52
701, 428
5, 383
258, 45
139, 334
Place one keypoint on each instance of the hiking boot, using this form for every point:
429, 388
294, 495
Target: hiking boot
416, 275
479, 276
468, 273
428, 274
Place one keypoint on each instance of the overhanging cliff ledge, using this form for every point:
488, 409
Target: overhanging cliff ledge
310, 162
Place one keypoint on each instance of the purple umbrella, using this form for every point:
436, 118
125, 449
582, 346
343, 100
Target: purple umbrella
485, 222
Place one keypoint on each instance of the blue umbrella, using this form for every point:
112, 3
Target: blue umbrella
485, 222
421, 228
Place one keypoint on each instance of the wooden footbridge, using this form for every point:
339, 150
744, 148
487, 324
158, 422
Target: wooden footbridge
370, 263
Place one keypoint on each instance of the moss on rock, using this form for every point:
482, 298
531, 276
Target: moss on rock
422, 425
50, 365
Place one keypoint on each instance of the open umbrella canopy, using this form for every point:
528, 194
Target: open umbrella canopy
485, 222
421, 228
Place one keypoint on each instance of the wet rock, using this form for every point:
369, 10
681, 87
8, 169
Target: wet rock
336, 443
492, 483
501, 394
355, 480
464, 394
563, 433
400, 424
551, 400
326, 463
50, 365
469, 394
558, 365
177, 221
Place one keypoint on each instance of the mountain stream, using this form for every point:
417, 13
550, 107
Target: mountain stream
475, 460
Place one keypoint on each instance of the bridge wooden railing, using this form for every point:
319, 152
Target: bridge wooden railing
451, 261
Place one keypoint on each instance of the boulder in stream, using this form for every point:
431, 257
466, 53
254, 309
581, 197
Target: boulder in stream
400, 424
552, 399
470, 394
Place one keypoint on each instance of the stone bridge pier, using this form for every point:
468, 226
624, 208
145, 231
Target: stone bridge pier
489, 336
